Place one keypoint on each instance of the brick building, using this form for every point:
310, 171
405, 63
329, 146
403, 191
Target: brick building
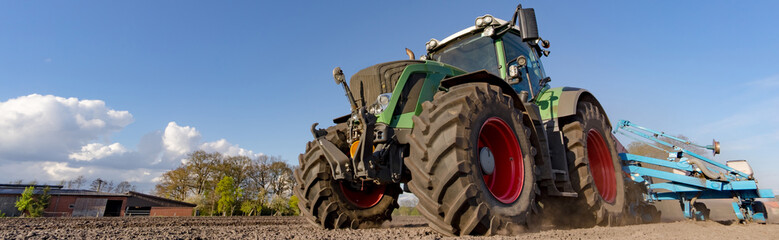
139, 204
88, 203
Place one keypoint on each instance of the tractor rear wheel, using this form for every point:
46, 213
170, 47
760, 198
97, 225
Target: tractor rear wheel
595, 168
471, 162
334, 204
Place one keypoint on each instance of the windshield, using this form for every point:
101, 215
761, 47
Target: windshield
471, 54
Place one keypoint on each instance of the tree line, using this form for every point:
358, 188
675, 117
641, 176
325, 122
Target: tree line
231, 185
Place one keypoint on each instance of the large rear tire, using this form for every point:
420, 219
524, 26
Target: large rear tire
595, 169
464, 189
334, 204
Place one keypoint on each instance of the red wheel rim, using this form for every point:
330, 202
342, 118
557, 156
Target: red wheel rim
601, 166
368, 197
505, 182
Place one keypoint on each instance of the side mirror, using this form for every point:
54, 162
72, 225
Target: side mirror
528, 28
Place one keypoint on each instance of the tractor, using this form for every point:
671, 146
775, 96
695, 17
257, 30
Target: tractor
474, 130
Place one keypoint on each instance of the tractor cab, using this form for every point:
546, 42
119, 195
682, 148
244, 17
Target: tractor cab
499, 47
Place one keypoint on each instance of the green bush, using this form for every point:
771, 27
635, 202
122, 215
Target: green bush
33, 205
293, 205
405, 211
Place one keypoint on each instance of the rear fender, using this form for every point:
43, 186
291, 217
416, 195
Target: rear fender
562, 102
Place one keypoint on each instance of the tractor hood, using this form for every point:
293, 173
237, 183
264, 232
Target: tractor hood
367, 84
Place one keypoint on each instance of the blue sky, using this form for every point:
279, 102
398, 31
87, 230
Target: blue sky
251, 76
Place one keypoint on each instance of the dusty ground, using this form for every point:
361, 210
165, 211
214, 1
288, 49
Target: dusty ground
297, 228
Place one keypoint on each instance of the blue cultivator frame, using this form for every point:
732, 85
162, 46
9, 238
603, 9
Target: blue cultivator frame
694, 177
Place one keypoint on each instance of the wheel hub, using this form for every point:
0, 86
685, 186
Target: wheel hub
487, 161
367, 197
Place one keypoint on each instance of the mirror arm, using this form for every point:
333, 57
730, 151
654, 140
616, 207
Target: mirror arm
506, 27
516, 14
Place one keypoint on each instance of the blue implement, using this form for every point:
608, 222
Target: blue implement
692, 176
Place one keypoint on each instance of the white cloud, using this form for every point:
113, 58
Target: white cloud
227, 148
42, 171
54, 172
97, 151
180, 140
49, 138
61, 170
49, 128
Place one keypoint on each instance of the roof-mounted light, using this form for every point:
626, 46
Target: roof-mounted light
484, 21
487, 19
430, 45
488, 31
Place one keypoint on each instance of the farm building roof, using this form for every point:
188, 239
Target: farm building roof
140, 197
17, 189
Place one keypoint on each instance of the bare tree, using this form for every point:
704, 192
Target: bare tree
200, 167
174, 184
76, 183
257, 178
97, 185
124, 187
236, 167
280, 177
109, 187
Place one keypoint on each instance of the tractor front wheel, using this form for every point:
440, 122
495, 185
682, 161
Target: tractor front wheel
471, 162
334, 204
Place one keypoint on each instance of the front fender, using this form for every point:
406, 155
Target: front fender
486, 77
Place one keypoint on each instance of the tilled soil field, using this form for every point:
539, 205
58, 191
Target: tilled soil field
298, 228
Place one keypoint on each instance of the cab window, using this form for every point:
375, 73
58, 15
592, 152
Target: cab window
514, 47
471, 54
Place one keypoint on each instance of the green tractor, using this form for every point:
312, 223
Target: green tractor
474, 130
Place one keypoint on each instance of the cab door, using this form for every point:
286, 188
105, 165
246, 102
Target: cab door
514, 47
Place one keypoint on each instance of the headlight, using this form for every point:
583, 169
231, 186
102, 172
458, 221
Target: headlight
382, 101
